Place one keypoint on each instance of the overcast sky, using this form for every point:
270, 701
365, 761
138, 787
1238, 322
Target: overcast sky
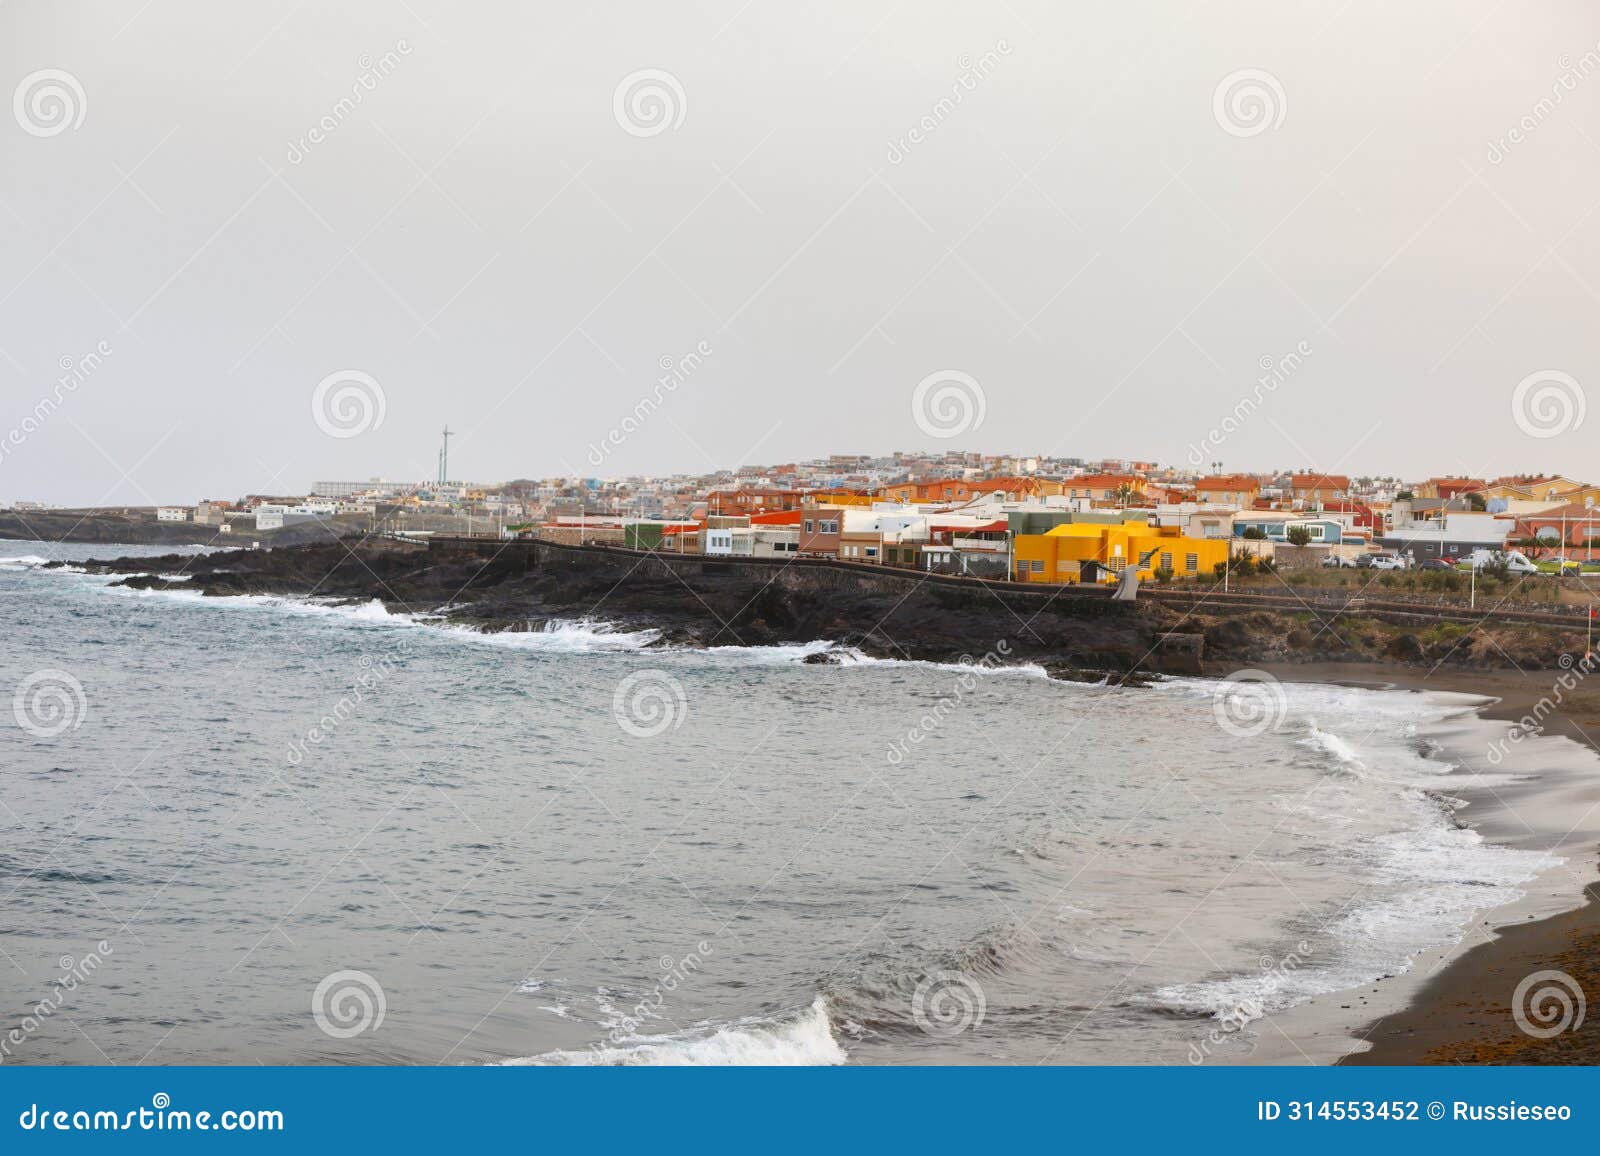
1106, 220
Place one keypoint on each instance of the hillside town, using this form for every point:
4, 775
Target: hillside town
1029, 519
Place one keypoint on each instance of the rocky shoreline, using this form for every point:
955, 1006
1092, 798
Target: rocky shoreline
1088, 638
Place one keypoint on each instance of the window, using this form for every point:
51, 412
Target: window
1191, 563
1036, 566
830, 527
1144, 559
1166, 561
808, 526
872, 551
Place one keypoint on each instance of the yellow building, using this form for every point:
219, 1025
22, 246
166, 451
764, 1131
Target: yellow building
1094, 551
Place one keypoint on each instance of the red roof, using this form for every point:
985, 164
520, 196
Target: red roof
776, 518
1228, 482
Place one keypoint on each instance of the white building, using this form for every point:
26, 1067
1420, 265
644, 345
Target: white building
350, 489
172, 513
729, 540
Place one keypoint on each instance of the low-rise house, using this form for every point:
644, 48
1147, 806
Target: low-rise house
940, 490
1448, 487
892, 539
212, 512
774, 541
1449, 534
820, 531
1195, 519
1119, 489
1313, 491
1571, 531
1529, 488
729, 541
753, 501
1237, 490
1274, 526
1076, 552
172, 514
671, 537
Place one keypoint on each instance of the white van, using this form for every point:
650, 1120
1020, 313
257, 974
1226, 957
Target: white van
1516, 561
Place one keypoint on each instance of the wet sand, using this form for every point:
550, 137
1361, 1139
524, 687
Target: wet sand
1456, 1005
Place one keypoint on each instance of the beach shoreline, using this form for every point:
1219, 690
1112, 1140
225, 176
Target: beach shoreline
1455, 1004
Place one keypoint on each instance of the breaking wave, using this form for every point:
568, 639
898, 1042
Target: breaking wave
800, 1038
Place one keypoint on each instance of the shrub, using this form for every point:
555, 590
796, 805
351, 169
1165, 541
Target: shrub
1163, 574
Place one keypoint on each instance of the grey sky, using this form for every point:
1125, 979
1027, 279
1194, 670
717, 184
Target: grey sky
1079, 234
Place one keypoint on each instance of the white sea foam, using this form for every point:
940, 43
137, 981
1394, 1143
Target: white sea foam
800, 1038
1332, 745
1418, 884
565, 636
558, 636
22, 562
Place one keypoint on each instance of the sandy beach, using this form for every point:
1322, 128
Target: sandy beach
1456, 1004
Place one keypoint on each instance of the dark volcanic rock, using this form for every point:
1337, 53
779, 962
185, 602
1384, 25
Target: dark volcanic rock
895, 614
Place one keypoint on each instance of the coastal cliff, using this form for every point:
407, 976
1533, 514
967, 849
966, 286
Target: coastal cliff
694, 601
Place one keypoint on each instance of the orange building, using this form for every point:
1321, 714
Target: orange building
1315, 490
1228, 490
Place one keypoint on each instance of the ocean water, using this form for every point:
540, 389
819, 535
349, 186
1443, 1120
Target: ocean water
290, 832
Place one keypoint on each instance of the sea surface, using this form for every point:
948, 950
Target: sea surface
260, 830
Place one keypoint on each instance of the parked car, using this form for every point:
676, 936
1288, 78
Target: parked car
1339, 561
1568, 567
1436, 564
1388, 562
